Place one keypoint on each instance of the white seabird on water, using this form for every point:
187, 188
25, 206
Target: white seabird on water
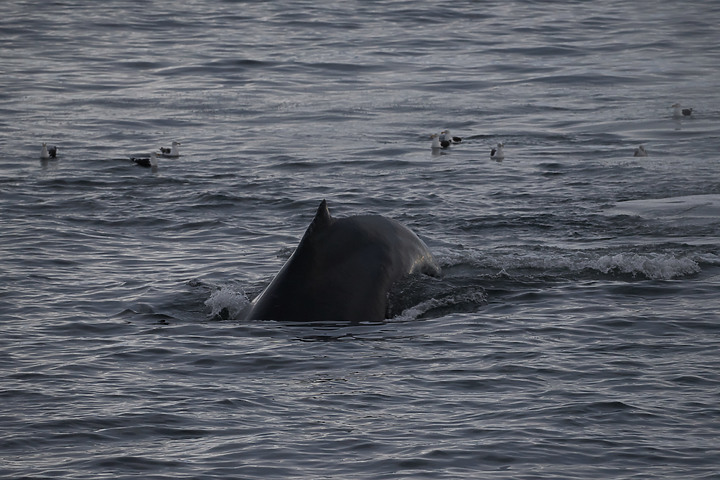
640, 152
679, 111
48, 152
438, 143
498, 153
446, 135
171, 152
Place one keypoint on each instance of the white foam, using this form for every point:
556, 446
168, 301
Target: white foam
656, 267
228, 299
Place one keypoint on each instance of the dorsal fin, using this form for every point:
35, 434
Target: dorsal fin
322, 217
322, 220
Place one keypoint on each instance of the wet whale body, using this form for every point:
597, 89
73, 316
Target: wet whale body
342, 271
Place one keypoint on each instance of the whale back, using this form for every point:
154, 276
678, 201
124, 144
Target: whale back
342, 270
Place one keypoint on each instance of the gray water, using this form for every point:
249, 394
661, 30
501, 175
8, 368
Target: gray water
574, 332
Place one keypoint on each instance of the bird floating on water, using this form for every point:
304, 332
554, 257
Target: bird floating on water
171, 152
48, 152
146, 162
437, 143
447, 136
443, 140
498, 153
640, 152
679, 111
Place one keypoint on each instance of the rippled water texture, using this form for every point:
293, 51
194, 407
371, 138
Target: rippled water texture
574, 331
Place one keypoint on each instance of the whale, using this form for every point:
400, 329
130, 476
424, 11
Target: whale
342, 271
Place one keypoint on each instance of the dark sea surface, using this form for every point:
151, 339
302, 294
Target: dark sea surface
574, 333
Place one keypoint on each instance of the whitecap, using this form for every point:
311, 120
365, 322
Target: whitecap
655, 267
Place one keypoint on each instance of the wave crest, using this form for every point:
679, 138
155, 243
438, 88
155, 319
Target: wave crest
655, 267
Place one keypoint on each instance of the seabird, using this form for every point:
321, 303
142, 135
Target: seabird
640, 152
171, 152
679, 112
48, 152
497, 153
145, 161
445, 135
438, 143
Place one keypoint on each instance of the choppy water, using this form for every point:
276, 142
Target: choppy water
574, 333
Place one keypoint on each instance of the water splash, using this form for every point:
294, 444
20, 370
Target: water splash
227, 302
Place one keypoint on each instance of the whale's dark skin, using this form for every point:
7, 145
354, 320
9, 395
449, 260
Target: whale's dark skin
342, 270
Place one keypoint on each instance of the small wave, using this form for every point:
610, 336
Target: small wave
468, 299
549, 265
683, 210
655, 267
709, 259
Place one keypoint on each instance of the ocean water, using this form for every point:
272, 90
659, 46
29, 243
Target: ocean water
574, 333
